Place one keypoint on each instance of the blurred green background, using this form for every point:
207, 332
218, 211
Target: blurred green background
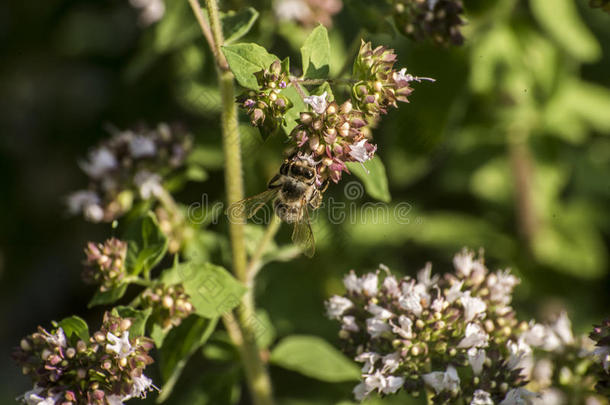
508, 151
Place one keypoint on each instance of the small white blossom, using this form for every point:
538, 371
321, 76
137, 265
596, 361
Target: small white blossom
481, 397
292, 10
359, 152
424, 276
411, 299
464, 262
475, 336
87, 202
369, 284
57, 339
443, 380
520, 356
603, 355
454, 292
378, 311
393, 384
473, 306
352, 283
115, 400
32, 397
518, 396
535, 335
141, 385
360, 391
120, 346
100, 162
379, 382
369, 359
563, 328
476, 358
501, 285
317, 103
348, 323
142, 146
149, 184
405, 328
543, 372
391, 285
151, 11
438, 304
337, 305
390, 362
376, 327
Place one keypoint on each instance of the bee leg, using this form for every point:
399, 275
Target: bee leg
324, 186
274, 182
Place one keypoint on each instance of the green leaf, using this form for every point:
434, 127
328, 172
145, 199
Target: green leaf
237, 24
213, 290
298, 106
247, 59
315, 358
180, 344
75, 325
146, 244
561, 20
108, 297
315, 54
375, 181
138, 319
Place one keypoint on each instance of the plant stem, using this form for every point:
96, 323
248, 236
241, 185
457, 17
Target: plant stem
317, 82
257, 376
255, 261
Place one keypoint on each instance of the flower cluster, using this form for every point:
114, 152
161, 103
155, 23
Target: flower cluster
601, 336
456, 336
127, 166
603, 4
308, 12
560, 368
105, 263
170, 304
378, 85
266, 107
105, 369
437, 20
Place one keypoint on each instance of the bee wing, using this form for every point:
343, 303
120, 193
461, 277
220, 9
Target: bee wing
302, 234
249, 206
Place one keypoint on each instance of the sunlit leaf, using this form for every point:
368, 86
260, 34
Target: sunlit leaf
374, 178
247, 59
315, 54
75, 325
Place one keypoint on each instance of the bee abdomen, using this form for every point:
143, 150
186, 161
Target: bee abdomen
289, 213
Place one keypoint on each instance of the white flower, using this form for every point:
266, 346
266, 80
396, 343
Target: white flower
481, 397
376, 327
379, 312
391, 285
87, 202
120, 346
501, 285
393, 384
438, 304
518, 396
563, 328
424, 276
464, 262
352, 283
317, 103
520, 356
369, 284
115, 400
100, 162
349, 323
443, 381
411, 299
535, 335
603, 355
543, 372
476, 358
402, 76
359, 153
57, 339
292, 10
32, 397
475, 336
369, 359
454, 292
336, 306
390, 362
142, 146
360, 391
149, 184
473, 306
405, 330
141, 385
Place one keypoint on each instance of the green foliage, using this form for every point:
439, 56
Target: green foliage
373, 175
315, 358
146, 245
315, 54
75, 325
245, 60
213, 290
179, 346
108, 297
138, 319
237, 24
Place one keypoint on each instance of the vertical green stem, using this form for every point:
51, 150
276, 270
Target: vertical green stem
257, 376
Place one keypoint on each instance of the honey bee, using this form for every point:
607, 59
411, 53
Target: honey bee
293, 191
